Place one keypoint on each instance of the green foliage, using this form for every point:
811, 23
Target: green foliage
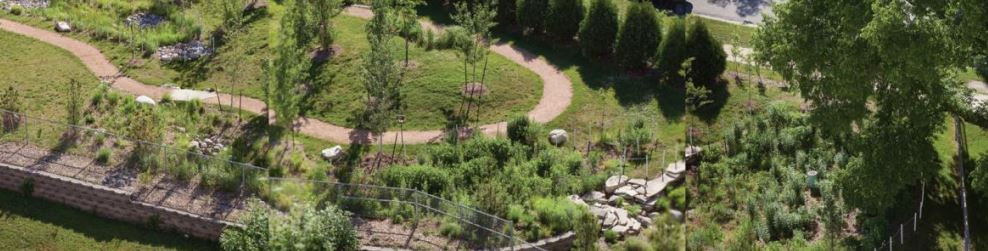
709, 58
704, 237
522, 130
287, 71
450, 229
303, 228
73, 106
598, 31
323, 12
531, 14
981, 67
639, 36
381, 72
587, 231
103, 156
16, 10
610, 236
673, 52
104, 21
556, 214
506, 12
10, 103
145, 126
562, 17
424, 178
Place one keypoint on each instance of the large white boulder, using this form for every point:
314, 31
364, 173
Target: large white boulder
612, 183
558, 137
576, 199
676, 214
332, 153
145, 100
62, 26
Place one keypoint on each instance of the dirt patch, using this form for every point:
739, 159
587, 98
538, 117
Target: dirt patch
474, 90
322, 55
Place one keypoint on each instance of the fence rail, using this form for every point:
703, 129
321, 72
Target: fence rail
44, 143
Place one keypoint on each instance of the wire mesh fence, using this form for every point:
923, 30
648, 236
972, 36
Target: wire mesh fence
905, 229
136, 166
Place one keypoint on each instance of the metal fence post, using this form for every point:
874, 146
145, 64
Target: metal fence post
915, 221
902, 235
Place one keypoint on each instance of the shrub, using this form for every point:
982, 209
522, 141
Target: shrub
587, 231
562, 18
531, 14
450, 229
639, 36
610, 236
635, 244
453, 37
673, 52
709, 58
522, 130
304, 227
557, 214
16, 10
424, 178
599, 29
981, 67
103, 156
10, 102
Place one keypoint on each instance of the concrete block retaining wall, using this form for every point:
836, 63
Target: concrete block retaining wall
108, 202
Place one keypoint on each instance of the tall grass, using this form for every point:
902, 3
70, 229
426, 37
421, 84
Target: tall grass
104, 19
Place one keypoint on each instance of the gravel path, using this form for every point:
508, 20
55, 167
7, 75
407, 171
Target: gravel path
557, 90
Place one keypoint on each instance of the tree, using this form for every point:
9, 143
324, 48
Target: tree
144, 127
323, 11
477, 20
303, 228
710, 60
381, 72
564, 17
74, 105
406, 19
673, 53
879, 76
506, 13
599, 30
639, 36
287, 70
531, 14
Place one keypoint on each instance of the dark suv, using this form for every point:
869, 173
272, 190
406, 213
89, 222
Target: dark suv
677, 7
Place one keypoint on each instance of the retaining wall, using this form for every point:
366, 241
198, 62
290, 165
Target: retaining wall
108, 202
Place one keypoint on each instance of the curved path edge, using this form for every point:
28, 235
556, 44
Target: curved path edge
557, 89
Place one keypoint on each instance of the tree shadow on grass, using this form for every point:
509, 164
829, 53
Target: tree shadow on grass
99, 229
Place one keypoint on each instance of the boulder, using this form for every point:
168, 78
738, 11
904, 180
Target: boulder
640, 198
145, 100
621, 229
655, 187
676, 214
634, 226
62, 26
332, 153
613, 199
599, 211
612, 183
622, 216
576, 199
609, 219
637, 182
594, 196
558, 137
645, 221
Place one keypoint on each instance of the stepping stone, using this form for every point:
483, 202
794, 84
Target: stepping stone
612, 183
637, 182
621, 229
626, 191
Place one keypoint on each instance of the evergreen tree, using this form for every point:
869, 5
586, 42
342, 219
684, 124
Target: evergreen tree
598, 31
639, 36
709, 58
564, 18
287, 70
531, 14
673, 52
506, 13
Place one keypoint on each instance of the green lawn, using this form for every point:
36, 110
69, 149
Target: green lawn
431, 89
34, 224
40, 73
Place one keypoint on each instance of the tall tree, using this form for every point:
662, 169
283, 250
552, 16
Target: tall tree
709, 58
287, 70
599, 30
639, 36
406, 19
879, 74
531, 14
478, 20
564, 17
672, 53
381, 72
323, 11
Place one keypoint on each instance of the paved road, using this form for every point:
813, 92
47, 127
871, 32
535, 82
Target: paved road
736, 11
557, 90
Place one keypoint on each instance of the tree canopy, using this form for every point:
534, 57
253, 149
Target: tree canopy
639, 36
598, 30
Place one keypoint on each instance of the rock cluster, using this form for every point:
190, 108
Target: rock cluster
27, 4
144, 20
184, 52
641, 192
207, 146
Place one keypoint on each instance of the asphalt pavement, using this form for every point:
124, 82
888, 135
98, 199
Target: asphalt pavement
737, 11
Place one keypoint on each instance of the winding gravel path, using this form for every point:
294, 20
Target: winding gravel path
557, 90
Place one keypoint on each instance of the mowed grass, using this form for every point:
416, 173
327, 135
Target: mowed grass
41, 73
33, 224
432, 88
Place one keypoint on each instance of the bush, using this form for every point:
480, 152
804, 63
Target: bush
599, 29
103, 156
450, 229
563, 17
304, 227
506, 13
424, 178
556, 214
673, 52
531, 14
610, 236
16, 10
522, 130
981, 67
453, 37
709, 58
587, 231
639, 36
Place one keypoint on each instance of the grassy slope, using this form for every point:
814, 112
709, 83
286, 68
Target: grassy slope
33, 224
40, 73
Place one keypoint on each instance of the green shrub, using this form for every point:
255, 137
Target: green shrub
635, 244
562, 18
709, 58
522, 130
304, 227
424, 178
453, 37
16, 10
557, 214
673, 52
599, 29
587, 231
610, 236
639, 36
443, 155
450, 229
704, 238
103, 156
531, 14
